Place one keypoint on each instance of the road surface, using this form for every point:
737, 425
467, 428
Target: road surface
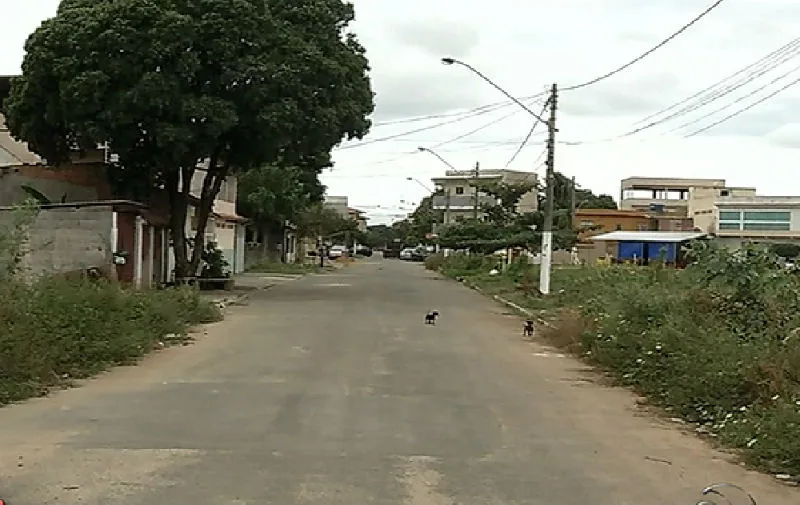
330, 390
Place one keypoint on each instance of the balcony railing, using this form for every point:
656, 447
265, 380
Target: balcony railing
462, 201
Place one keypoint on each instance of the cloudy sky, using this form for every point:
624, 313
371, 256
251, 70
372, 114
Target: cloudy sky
525, 46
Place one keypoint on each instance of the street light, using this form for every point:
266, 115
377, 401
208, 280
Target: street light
431, 151
547, 231
453, 61
420, 183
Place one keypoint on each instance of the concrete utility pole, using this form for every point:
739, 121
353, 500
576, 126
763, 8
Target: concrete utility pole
572, 207
475, 206
447, 206
547, 232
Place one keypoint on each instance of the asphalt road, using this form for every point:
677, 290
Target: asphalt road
331, 390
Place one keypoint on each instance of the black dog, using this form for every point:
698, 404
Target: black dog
527, 330
430, 317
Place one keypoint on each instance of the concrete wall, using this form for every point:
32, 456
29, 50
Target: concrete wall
53, 187
63, 240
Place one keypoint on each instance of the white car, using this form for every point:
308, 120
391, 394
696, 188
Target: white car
336, 251
407, 253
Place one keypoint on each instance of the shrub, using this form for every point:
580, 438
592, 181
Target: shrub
717, 343
434, 261
53, 330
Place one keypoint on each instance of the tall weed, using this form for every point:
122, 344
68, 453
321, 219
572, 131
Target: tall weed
717, 343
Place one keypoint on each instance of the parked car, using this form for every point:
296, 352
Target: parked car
336, 251
362, 250
407, 253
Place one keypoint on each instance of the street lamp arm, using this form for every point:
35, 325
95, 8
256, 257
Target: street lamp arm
451, 61
420, 183
425, 149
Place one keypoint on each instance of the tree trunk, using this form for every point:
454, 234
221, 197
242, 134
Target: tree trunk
178, 202
212, 182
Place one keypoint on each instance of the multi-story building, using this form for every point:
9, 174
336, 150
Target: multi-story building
359, 217
458, 197
338, 204
756, 219
591, 222
677, 204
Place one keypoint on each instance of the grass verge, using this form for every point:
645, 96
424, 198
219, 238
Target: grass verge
56, 330
717, 344
274, 267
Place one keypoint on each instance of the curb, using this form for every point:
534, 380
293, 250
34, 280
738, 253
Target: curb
509, 304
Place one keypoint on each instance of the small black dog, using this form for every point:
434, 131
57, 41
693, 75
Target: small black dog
430, 317
527, 330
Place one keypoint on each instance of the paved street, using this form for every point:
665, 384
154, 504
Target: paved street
330, 390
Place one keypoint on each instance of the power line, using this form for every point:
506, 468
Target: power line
740, 111
708, 95
740, 99
424, 128
529, 135
476, 130
648, 52
713, 97
790, 45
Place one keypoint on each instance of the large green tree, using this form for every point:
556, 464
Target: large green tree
271, 195
168, 83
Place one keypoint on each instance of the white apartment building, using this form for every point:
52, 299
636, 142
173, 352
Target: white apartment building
458, 198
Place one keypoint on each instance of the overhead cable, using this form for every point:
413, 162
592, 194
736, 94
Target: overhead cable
529, 135
646, 53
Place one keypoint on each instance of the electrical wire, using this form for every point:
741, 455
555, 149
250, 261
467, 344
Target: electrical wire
740, 111
476, 130
530, 133
490, 107
740, 99
754, 70
713, 97
648, 52
777, 52
422, 129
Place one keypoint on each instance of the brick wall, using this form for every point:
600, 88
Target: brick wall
67, 239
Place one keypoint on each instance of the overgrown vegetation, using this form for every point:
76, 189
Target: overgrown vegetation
717, 344
284, 268
54, 330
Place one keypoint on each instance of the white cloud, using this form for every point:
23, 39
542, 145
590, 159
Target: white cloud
524, 47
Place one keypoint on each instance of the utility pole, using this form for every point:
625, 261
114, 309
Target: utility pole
547, 232
475, 206
572, 208
447, 206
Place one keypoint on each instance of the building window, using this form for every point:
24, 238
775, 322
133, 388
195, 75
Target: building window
778, 217
459, 190
724, 192
763, 226
755, 220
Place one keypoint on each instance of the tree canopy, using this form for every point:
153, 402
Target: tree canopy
503, 225
169, 83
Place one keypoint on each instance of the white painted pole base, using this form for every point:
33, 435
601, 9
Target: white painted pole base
547, 259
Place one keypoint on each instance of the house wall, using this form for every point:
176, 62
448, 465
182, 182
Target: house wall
607, 222
67, 239
225, 234
78, 184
